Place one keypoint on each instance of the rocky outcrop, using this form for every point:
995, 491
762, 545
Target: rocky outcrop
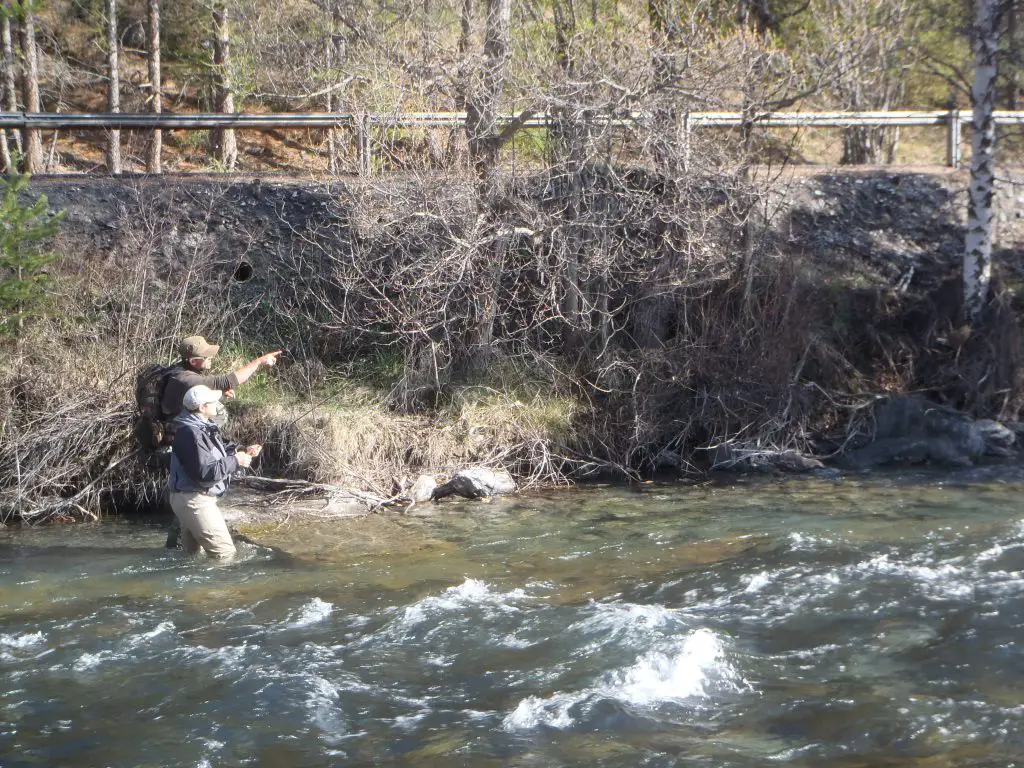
912, 430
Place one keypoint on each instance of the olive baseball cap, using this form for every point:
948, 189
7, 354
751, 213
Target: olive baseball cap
197, 346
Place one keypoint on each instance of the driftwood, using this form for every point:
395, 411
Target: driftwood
276, 488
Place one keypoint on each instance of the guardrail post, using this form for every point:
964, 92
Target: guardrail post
365, 146
953, 139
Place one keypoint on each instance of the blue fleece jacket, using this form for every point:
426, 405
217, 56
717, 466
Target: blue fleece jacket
200, 459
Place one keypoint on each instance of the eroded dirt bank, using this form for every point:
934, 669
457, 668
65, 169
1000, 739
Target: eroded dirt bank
849, 292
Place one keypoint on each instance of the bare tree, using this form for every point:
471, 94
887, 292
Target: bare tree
334, 59
977, 263
113, 88
31, 140
484, 91
482, 94
155, 146
10, 98
872, 46
222, 140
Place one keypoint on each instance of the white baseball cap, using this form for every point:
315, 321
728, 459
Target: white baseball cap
200, 395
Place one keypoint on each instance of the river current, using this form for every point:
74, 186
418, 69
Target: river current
840, 622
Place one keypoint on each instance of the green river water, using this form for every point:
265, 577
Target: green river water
843, 622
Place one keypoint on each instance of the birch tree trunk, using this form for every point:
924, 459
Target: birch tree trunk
223, 139
155, 146
113, 89
31, 140
980, 212
9, 97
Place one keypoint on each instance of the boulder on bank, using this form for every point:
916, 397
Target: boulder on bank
476, 483
912, 430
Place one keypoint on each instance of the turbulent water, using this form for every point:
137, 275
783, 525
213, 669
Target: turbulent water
842, 622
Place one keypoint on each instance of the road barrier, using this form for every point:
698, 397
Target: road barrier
364, 125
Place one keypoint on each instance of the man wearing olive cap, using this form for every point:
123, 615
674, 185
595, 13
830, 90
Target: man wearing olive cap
194, 369
201, 468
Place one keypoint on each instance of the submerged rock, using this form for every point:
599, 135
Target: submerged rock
476, 483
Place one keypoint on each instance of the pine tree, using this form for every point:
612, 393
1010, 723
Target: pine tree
23, 228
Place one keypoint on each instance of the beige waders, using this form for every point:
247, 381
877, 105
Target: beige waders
202, 524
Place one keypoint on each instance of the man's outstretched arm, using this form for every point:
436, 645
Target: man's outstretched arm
245, 373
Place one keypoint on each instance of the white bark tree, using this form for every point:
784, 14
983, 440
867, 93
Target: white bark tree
10, 97
977, 265
154, 149
113, 88
222, 140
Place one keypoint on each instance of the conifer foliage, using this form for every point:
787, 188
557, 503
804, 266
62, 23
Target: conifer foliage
24, 228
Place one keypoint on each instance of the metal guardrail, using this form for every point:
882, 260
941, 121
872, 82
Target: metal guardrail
364, 123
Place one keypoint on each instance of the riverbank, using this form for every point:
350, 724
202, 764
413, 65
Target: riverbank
418, 343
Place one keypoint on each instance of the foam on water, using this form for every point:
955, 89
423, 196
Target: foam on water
20, 648
757, 582
26, 640
939, 581
806, 542
688, 670
535, 711
322, 703
88, 662
313, 612
164, 627
472, 592
629, 622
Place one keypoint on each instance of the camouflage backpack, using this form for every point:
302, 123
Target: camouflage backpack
150, 425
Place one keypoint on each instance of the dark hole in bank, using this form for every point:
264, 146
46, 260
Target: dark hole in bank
243, 272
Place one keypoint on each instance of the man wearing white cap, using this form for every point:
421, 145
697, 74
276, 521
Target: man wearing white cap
201, 468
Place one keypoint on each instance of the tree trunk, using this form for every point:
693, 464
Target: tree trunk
1013, 60
31, 140
863, 146
154, 150
977, 268
483, 96
222, 140
113, 89
9, 95
334, 54
757, 15
651, 314
572, 139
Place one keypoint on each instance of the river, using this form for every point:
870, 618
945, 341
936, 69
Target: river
842, 622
